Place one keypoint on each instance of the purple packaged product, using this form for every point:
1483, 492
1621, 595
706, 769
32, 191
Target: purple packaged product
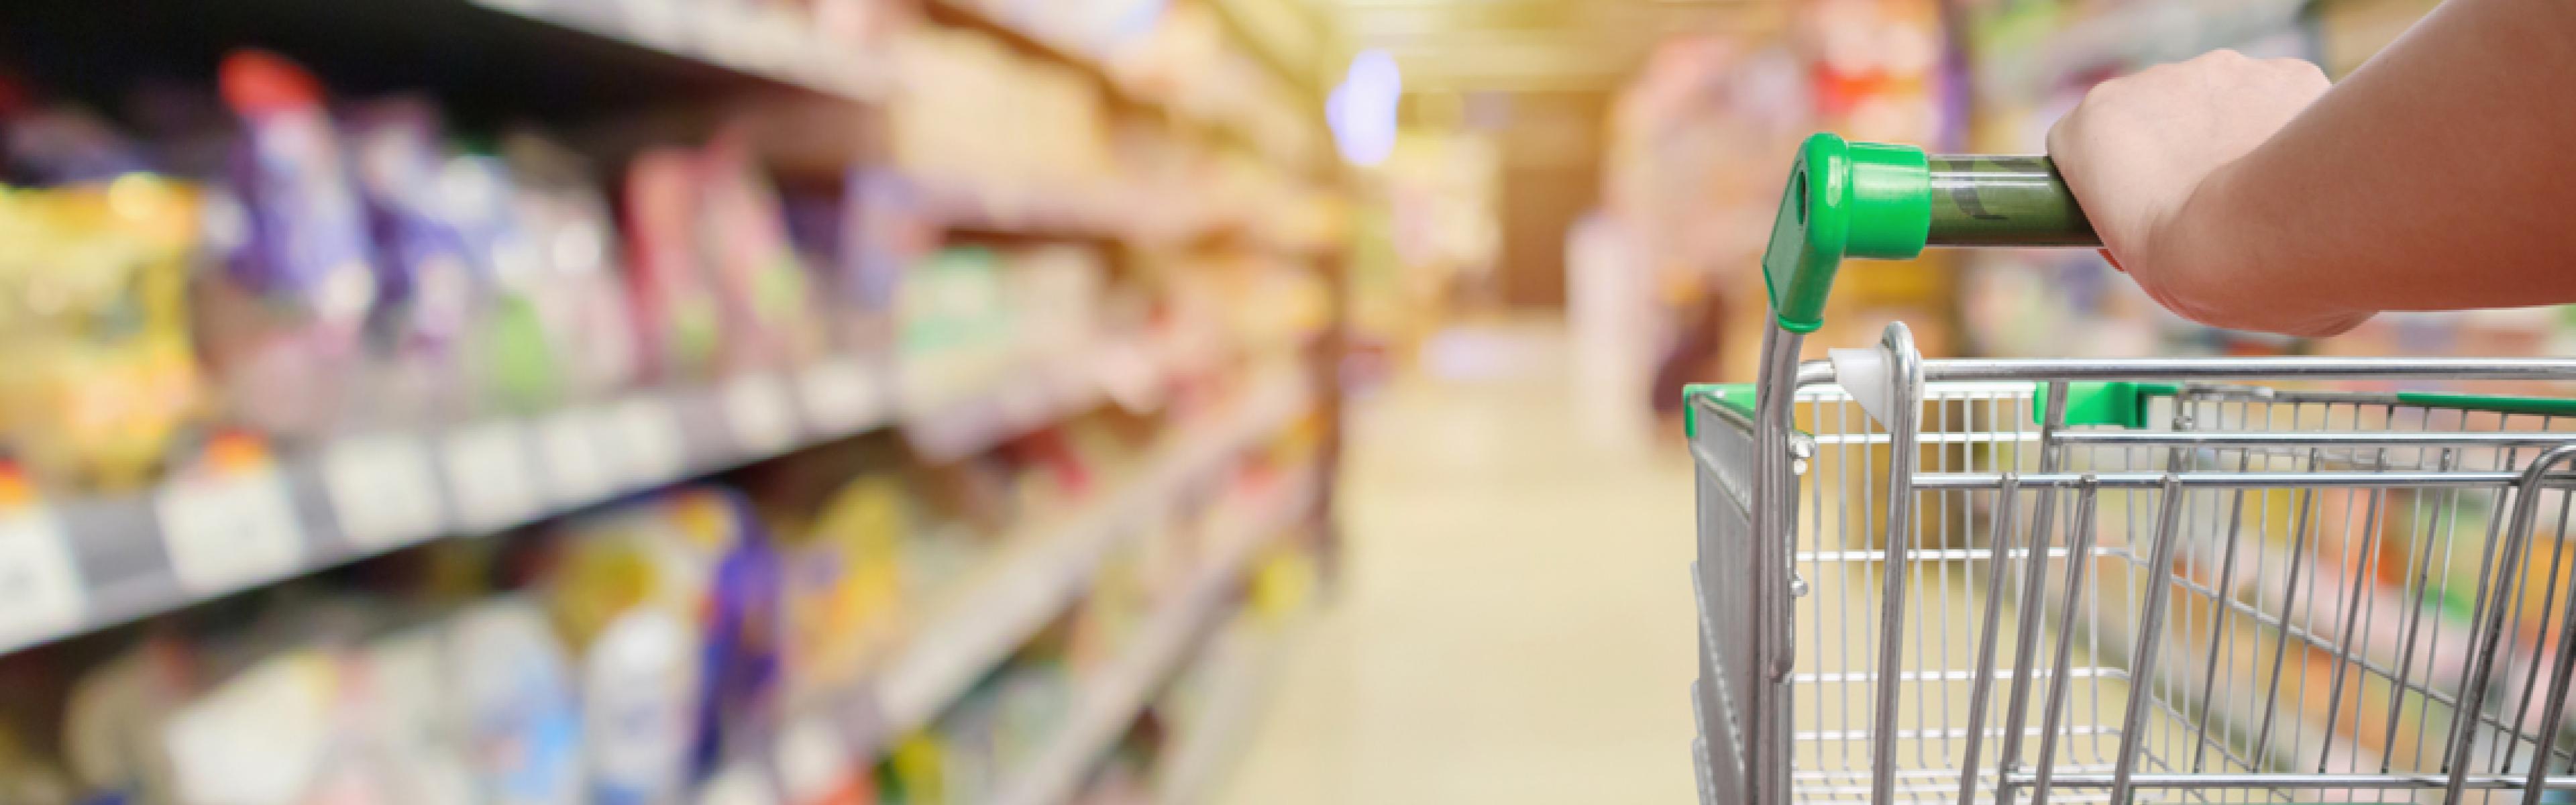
306, 240
740, 670
423, 264
889, 231
886, 229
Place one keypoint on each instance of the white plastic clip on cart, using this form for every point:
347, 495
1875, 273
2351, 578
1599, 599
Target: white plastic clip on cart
2147, 580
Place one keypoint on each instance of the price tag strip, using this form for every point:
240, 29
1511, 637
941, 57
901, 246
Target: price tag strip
760, 414
646, 434
40, 589
737, 784
815, 765
568, 445
383, 490
840, 396
230, 531
487, 470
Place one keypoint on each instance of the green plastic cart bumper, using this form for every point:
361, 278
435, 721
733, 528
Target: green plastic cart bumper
2090, 402
2539, 406
1888, 202
2124, 404
1738, 396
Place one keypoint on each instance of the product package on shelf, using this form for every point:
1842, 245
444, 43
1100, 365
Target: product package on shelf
703, 556
574, 284
759, 278
284, 323
98, 377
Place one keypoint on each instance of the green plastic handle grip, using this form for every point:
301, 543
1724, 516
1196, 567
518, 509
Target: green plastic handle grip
2004, 201
1847, 199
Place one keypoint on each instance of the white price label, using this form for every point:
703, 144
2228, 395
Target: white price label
659, 23
382, 489
761, 415
737, 784
768, 37
841, 396
40, 591
722, 33
487, 469
229, 532
813, 762
568, 444
649, 451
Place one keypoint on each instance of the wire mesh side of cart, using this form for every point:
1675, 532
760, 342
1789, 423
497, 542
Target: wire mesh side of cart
2281, 597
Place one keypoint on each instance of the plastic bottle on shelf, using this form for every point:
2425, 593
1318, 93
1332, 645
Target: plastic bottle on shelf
697, 558
638, 683
522, 722
266, 735
408, 716
626, 595
115, 713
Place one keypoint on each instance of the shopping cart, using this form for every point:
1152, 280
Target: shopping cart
2140, 580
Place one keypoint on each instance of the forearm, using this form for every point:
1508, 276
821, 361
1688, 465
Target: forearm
2442, 175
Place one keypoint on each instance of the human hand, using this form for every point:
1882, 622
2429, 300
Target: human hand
2145, 154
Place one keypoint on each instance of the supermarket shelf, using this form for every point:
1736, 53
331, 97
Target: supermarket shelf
996, 614
1102, 713
89, 563
85, 564
1258, 23
1249, 657
758, 40
1034, 586
972, 16
488, 60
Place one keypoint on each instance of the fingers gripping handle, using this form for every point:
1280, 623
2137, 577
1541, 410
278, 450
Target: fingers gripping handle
1847, 199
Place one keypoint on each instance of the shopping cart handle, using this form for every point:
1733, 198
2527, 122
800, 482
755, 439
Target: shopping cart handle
2003, 201
1847, 199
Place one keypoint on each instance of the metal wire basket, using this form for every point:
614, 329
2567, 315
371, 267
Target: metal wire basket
2085, 581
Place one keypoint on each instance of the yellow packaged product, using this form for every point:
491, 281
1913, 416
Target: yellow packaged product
97, 376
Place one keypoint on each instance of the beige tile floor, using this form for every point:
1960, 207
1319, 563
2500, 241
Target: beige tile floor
1514, 624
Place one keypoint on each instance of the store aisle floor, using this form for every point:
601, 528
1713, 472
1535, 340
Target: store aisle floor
1515, 623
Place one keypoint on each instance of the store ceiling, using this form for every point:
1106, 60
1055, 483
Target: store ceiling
1535, 44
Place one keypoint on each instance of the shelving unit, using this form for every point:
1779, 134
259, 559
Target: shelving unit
1030, 587
72, 566
749, 39
1022, 592
1104, 708
1245, 661
85, 564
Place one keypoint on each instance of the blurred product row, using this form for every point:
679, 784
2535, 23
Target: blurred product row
733, 642
264, 260
886, 410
